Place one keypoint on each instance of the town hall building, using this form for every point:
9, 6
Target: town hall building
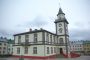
42, 43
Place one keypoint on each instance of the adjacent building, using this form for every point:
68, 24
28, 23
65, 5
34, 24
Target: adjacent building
42, 43
10, 46
3, 46
86, 46
6, 46
77, 47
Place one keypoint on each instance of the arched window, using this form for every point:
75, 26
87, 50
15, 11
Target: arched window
61, 41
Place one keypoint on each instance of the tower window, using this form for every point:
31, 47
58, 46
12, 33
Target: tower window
61, 41
60, 25
60, 30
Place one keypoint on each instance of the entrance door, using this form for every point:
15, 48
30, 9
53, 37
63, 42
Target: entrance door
61, 51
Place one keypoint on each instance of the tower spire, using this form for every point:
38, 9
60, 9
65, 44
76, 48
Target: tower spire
60, 11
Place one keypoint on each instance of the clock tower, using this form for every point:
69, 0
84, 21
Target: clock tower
62, 31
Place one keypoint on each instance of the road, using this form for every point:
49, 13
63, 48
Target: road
79, 58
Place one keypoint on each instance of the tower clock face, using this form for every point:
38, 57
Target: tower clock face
60, 30
60, 25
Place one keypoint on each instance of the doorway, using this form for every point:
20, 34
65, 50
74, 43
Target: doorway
61, 51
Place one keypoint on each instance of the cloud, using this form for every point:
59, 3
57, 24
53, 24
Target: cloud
77, 34
38, 21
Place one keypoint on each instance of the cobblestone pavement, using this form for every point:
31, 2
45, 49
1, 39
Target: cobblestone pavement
79, 58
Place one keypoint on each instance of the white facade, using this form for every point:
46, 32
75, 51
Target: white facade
5, 46
42, 42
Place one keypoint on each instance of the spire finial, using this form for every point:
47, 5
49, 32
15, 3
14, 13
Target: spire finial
59, 5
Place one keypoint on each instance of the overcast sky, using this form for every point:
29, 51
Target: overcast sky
18, 16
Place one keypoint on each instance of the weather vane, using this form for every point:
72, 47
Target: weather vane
59, 4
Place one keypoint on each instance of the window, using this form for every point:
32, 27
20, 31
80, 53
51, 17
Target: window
18, 50
34, 50
35, 38
61, 41
4, 48
0, 43
0, 48
54, 38
47, 50
5, 44
19, 39
26, 38
51, 38
3, 52
47, 37
26, 50
54, 49
60, 30
0, 52
51, 50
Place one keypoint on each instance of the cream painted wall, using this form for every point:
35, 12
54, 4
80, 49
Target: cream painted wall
31, 37
40, 50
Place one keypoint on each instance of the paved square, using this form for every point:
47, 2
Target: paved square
79, 58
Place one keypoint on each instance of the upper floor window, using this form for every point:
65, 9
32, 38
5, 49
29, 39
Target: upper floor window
61, 41
27, 38
34, 50
0, 48
0, 43
35, 38
19, 39
4, 48
26, 50
54, 39
51, 38
5, 44
47, 37
18, 50
60, 30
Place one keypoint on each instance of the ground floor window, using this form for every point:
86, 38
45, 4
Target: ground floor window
47, 50
18, 50
54, 49
26, 50
34, 50
51, 50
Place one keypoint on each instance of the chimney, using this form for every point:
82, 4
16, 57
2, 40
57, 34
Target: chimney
41, 29
30, 29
